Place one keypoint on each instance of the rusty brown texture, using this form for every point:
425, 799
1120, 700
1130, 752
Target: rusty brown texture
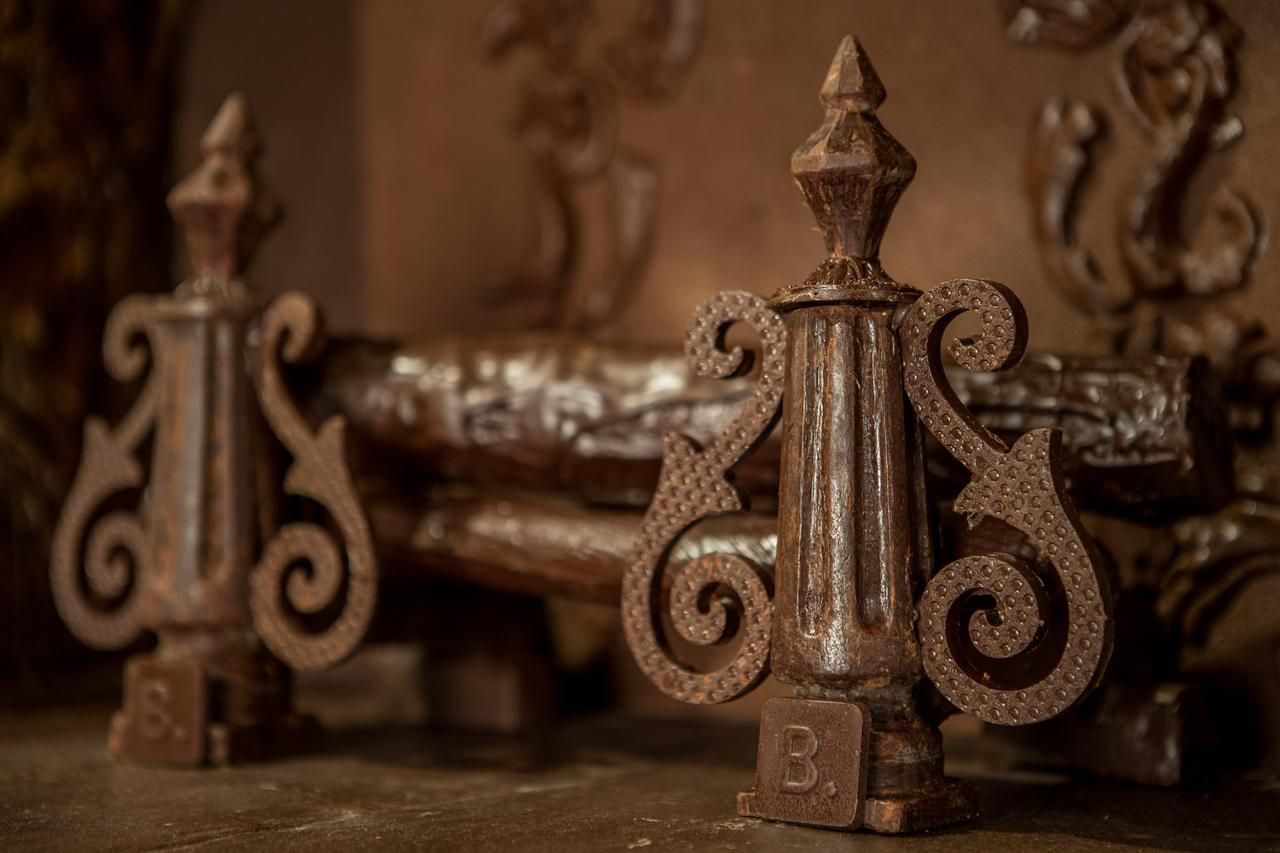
696, 482
181, 563
301, 572
1004, 660
855, 550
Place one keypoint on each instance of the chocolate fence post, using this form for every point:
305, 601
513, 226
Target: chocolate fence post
853, 616
182, 564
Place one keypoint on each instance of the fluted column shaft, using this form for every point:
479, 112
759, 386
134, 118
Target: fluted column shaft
849, 546
202, 466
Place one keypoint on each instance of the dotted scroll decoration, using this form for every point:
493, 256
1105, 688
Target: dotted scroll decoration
988, 639
104, 608
280, 583
695, 483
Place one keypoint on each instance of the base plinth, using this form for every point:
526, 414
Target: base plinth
185, 713
812, 766
954, 802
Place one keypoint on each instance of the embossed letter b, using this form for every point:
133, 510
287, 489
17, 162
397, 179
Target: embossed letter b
801, 774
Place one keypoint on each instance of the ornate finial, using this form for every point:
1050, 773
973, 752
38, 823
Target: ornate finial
221, 205
851, 170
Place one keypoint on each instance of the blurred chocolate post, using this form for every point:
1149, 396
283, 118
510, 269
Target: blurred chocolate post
171, 550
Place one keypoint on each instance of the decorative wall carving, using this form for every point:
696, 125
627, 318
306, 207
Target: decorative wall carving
1175, 71
568, 122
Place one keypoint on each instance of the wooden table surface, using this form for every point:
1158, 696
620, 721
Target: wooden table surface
598, 784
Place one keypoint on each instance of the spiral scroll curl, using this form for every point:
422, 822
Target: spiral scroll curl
695, 483
104, 607
281, 582
981, 614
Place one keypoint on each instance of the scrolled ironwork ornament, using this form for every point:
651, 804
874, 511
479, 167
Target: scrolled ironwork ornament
104, 607
181, 564
695, 483
291, 329
1012, 669
858, 623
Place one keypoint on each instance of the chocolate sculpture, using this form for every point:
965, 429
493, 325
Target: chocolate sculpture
855, 622
182, 564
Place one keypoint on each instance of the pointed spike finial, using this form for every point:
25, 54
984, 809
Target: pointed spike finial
232, 130
221, 206
852, 83
851, 170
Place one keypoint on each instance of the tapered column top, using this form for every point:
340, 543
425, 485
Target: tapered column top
222, 206
852, 173
851, 170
